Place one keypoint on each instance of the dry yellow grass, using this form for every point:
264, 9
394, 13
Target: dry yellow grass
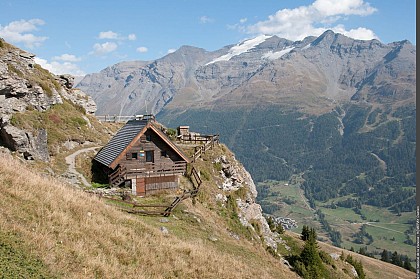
79, 236
374, 269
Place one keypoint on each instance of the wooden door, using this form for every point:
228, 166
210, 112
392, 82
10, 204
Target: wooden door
140, 186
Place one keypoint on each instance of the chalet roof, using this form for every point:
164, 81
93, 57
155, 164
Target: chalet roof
131, 130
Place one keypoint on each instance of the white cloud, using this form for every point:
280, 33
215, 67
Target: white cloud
243, 20
345, 7
171, 50
101, 49
313, 20
19, 32
111, 35
60, 68
142, 49
206, 19
108, 35
360, 33
67, 57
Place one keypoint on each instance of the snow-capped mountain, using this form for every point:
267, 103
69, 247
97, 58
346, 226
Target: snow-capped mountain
313, 75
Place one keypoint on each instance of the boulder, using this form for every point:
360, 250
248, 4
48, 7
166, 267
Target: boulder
25, 143
66, 80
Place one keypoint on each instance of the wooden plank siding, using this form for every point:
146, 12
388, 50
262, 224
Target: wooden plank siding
164, 157
160, 172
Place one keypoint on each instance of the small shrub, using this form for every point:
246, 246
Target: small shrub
272, 252
241, 193
218, 166
54, 118
257, 227
78, 121
205, 175
171, 133
99, 185
14, 120
13, 69
325, 257
44, 85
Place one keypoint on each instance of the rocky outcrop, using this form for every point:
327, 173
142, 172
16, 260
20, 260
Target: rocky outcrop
29, 145
24, 85
78, 97
235, 177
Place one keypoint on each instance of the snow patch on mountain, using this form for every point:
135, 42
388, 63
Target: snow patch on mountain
276, 55
306, 47
240, 48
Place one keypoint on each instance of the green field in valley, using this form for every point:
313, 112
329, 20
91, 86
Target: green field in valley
387, 229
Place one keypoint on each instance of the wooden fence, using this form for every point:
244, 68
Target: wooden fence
208, 144
156, 209
122, 118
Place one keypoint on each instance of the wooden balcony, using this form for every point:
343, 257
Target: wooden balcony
148, 170
156, 169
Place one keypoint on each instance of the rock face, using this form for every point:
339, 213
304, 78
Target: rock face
24, 85
78, 97
235, 177
313, 74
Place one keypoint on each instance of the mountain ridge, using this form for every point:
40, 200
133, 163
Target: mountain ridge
327, 68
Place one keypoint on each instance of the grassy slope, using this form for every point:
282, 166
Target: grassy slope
79, 236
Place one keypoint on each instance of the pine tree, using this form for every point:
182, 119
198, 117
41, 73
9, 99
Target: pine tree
385, 256
396, 259
310, 256
271, 223
305, 233
407, 265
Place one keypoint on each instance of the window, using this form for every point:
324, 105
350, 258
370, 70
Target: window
149, 156
134, 156
149, 137
163, 153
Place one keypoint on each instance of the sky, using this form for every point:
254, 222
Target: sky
79, 37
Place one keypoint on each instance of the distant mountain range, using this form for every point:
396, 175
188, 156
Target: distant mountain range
312, 75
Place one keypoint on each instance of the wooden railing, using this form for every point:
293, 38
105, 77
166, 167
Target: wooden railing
157, 169
123, 118
195, 178
197, 138
118, 176
208, 144
147, 170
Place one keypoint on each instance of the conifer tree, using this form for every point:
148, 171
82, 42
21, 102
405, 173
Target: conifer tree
305, 233
385, 256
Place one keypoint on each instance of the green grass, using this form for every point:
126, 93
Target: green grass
16, 261
298, 210
341, 214
63, 122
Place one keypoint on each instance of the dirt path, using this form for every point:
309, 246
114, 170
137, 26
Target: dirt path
71, 162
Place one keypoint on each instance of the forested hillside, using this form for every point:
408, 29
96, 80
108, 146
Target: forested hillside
361, 150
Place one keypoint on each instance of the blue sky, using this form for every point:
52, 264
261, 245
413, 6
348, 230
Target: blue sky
85, 36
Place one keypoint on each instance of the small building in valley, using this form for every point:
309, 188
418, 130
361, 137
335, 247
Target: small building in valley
143, 156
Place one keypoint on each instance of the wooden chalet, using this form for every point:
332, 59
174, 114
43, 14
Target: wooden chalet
142, 156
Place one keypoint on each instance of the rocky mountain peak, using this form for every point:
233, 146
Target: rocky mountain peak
314, 73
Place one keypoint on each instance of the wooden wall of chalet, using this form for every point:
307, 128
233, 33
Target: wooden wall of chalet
149, 142
148, 185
